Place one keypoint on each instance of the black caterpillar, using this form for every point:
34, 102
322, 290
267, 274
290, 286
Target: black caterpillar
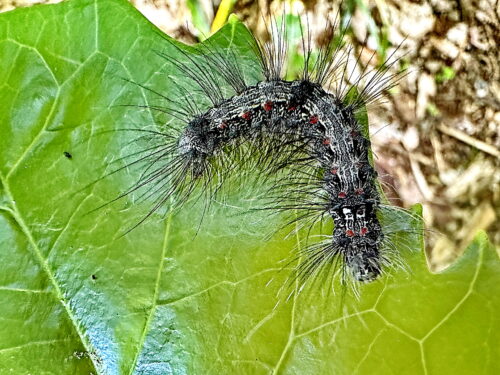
309, 141
329, 136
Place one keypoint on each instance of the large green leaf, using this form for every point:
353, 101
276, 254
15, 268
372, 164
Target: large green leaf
76, 298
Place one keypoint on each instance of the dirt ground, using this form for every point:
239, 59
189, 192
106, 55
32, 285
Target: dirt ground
438, 137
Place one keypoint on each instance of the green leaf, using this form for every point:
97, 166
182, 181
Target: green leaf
78, 298
199, 17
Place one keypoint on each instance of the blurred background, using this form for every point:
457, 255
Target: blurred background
437, 137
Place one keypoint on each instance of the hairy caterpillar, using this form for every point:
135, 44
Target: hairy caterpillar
305, 137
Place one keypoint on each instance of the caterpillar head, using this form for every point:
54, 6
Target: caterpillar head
358, 234
363, 261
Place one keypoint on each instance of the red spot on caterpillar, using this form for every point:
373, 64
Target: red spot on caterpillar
349, 233
290, 109
223, 125
326, 141
334, 170
246, 115
267, 106
313, 120
359, 191
342, 195
354, 133
363, 231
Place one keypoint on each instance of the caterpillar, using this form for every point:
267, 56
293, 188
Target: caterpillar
305, 135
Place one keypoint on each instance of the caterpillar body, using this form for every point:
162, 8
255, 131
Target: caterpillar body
307, 139
327, 132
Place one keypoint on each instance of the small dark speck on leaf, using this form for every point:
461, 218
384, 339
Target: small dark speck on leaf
80, 355
68, 155
94, 277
